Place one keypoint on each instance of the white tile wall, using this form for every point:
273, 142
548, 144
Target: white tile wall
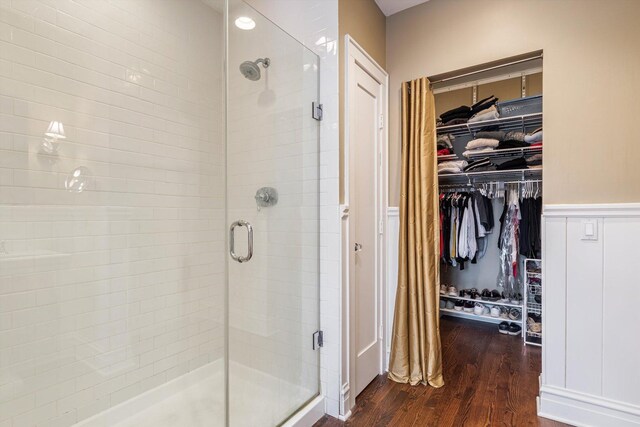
107, 293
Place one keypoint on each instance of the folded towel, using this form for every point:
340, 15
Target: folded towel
490, 113
444, 152
482, 143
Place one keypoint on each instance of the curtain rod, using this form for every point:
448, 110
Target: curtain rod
495, 67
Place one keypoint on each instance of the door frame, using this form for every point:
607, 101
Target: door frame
356, 56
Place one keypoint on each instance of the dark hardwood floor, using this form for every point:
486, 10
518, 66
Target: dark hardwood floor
490, 380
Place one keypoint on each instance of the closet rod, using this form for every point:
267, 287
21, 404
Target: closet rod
495, 67
478, 184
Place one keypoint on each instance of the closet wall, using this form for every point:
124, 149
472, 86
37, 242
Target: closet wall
589, 74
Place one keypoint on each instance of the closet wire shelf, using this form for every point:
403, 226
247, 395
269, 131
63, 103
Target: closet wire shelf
500, 154
482, 177
520, 123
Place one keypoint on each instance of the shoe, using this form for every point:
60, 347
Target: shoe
450, 305
517, 299
473, 293
468, 306
443, 289
495, 295
443, 303
485, 294
486, 310
459, 305
504, 312
495, 311
503, 328
538, 299
453, 292
478, 309
514, 329
515, 314
534, 327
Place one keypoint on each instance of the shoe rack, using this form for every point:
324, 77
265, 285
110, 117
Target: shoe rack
532, 314
482, 317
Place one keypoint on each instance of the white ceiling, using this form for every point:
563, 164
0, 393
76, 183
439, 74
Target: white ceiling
389, 7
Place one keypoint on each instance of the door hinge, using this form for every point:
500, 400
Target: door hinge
316, 110
318, 339
381, 121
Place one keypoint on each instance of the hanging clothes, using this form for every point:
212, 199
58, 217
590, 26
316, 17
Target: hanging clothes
466, 219
509, 242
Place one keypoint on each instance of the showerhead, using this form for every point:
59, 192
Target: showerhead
251, 69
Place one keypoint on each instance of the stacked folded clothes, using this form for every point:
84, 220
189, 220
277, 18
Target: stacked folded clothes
511, 143
482, 165
444, 152
453, 166
490, 113
480, 145
517, 163
463, 113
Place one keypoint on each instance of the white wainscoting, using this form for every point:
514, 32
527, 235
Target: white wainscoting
590, 329
393, 232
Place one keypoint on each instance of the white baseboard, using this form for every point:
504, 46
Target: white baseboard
345, 417
309, 415
585, 410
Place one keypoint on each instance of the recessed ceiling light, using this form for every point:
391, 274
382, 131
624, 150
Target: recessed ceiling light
245, 23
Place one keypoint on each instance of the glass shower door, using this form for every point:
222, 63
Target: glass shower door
273, 215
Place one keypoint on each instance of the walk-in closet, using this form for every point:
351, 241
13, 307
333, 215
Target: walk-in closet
490, 176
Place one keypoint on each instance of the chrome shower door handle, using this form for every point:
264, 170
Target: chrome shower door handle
232, 238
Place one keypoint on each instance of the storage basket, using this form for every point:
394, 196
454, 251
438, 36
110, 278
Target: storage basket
521, 106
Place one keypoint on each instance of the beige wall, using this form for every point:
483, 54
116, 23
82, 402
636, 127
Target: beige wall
362, 20
591, 81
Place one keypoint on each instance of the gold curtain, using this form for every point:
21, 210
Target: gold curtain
416, 355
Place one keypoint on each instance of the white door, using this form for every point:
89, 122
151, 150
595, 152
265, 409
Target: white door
365, 130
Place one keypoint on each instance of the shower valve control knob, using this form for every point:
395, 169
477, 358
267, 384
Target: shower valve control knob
266, 196
357, 247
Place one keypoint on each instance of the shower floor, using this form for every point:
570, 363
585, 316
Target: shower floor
197, 399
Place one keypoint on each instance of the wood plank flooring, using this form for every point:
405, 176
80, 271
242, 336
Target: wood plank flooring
490, 380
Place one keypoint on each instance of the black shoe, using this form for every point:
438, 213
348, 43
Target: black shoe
485, 295
468, 306
538, 299
459, 305
514, 329
503, 327
495, 295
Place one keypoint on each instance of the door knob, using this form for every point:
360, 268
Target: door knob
357, 247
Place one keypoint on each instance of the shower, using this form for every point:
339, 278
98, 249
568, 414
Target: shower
251, 70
